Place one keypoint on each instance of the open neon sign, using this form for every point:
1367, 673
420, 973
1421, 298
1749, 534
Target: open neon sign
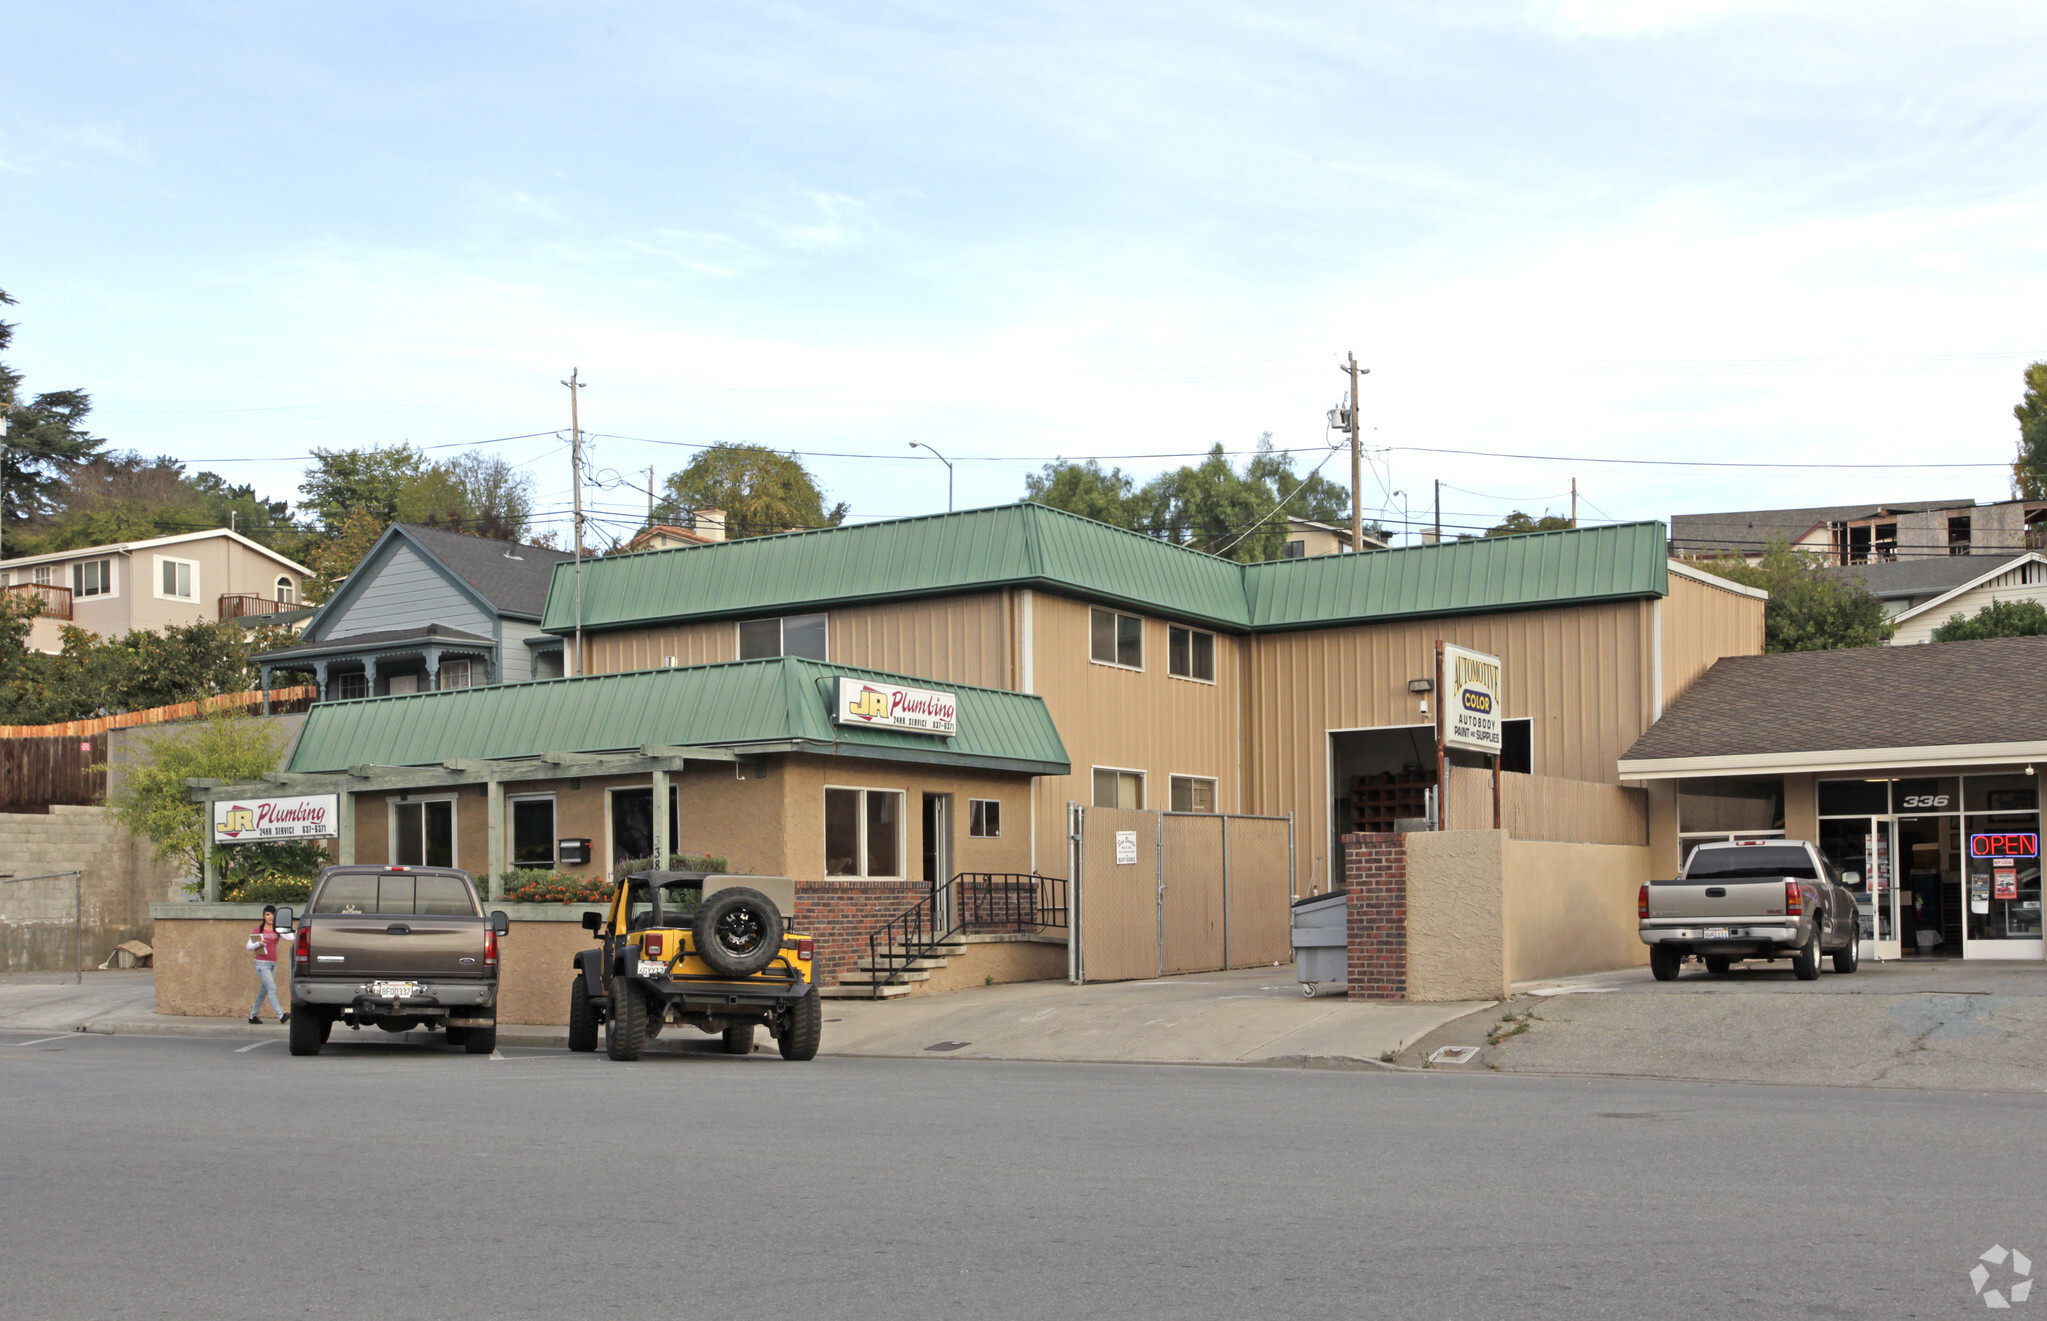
2015, 845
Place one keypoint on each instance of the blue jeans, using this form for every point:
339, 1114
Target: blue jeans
266, 984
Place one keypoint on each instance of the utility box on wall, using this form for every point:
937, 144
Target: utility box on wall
572, 853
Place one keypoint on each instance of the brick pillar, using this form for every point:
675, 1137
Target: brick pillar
1375, 871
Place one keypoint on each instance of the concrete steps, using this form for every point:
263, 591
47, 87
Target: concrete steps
897, 971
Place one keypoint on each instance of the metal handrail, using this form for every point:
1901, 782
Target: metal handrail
1018, 902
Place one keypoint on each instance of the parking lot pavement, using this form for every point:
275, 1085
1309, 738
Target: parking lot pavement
1255, 1016
58, 1002
1943, 1024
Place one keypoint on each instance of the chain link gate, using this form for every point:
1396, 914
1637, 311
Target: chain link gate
1157, 893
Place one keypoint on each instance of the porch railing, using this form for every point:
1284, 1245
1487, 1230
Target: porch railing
56, 600
241, 605
971, 903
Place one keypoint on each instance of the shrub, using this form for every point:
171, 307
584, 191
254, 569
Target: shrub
676, 862
269, 889
534, 886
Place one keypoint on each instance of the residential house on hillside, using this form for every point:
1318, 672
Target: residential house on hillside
1862, 534
2021, 579
153, 584
1906, 584
1307, 538
427, 610
705, 527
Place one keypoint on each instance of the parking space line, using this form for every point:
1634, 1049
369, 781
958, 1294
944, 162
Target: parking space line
254, 1045
43, 1040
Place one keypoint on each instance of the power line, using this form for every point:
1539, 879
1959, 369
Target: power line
1686, 463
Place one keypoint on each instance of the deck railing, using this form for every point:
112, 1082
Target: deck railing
56, 600
241, 605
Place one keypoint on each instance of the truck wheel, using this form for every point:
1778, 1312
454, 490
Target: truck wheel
737, 932
457, 1035
1805, 963
1849, 956
625, 1033
308, 1031
1663, 963
480, 1040
582, 1018
739, 1039
326, 1022
803, 1031
1718, 964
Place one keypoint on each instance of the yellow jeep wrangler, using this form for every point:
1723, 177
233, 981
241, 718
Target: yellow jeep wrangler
696, 948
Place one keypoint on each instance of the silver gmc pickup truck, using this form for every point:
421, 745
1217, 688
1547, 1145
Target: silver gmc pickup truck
397, 948
1750, 899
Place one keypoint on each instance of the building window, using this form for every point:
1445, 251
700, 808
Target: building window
532, 830
632, 824
42, 573
863, 832
1958, 532
984, 818
287, 592
1114, 788
351, 685
1294, 550
455, 673
1191, 793
92, 578
547, 665
177, 580
1190, 654
1116, 639
1517, 746
423, 832
790, 635
401, 685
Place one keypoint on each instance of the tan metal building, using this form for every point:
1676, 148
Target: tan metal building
1185, 682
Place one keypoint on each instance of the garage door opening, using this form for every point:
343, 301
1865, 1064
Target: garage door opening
1381, 780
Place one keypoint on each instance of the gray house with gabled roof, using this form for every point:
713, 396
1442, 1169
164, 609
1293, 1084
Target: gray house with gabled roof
428, 610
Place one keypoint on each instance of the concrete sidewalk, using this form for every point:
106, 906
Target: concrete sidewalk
1256, 1017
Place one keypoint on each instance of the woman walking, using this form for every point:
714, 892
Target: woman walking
263, 940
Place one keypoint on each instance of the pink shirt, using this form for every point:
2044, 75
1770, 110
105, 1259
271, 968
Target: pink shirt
265, 945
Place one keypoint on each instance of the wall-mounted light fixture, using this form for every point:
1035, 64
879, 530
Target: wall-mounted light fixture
1421, 685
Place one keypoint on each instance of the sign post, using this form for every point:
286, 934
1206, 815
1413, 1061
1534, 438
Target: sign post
1469, 699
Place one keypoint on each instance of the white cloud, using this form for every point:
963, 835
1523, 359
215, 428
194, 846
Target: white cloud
1632, 18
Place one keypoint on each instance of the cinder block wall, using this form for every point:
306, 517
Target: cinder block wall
120, 882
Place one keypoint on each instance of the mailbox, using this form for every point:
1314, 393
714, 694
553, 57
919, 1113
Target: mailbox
572, 852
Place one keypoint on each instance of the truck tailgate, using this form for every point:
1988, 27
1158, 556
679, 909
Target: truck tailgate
428, 947
1716, 900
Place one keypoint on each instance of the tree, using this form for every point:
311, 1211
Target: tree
1999, 619
42, 440
760, 491
1808, 610
375, 480
152, 799
122, 496
1520, 522
333, 556
2029, 469
1087, 489
496, 498
92, 677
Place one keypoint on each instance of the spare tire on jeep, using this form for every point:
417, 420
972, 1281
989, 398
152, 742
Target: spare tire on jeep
738, 931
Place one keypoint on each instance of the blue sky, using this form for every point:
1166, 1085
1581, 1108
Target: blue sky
1759, 232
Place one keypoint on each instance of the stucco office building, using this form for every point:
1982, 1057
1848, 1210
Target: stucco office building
1184, 682
1915, 769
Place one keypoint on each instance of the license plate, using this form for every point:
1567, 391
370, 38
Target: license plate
394, 990
1716, 933
653, 968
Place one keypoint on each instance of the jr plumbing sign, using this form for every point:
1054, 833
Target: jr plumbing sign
887, 706
247, 820
1472, 697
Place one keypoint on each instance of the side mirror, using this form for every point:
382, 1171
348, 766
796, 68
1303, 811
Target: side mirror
284, 923
592, 921
500, 923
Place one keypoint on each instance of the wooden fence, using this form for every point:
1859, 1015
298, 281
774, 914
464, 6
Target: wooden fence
1543, 807
65, 765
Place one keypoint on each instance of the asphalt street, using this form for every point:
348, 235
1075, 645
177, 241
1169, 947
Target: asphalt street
225, 1179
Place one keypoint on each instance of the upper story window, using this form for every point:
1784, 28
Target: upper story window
1118, 788
789, 635
1294, 550
1116, 639
42, 573
177, 580
92, 578
287, 592
1192, 793
1190, 654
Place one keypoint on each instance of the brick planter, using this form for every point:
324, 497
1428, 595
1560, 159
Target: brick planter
841, 914
1375, 871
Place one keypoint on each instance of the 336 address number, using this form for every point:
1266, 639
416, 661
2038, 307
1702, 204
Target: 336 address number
1927, 800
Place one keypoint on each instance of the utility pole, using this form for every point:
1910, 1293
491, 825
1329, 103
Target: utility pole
1439, 511
1574, 502
650, 495
575, 385
1357, 512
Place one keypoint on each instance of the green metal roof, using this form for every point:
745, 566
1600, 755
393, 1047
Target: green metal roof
1030, 545
784, 701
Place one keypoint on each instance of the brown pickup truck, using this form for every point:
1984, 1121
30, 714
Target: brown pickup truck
396, 947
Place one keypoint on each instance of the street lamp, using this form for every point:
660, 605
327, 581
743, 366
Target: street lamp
920, 445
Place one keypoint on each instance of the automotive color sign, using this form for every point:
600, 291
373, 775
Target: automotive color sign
1471, 700
247, 820
863, 702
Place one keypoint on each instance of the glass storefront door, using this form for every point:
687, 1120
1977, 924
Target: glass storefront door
1864, 851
